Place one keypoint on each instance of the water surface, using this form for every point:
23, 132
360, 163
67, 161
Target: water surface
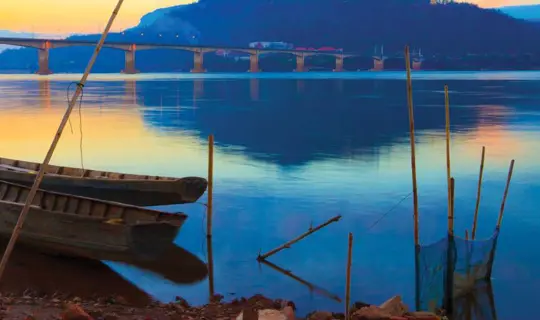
293, 150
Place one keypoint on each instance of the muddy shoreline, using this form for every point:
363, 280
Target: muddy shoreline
32, 306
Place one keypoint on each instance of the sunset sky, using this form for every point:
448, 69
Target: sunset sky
64, 17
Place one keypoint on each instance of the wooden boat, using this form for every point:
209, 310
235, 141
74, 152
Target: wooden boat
74, 225
137, 190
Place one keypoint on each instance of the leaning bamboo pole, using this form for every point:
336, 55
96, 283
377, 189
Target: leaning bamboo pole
510, 171
300, 237
56, 139
448, 173
478, 193
413, 152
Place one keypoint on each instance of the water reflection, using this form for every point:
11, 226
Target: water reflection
45, 93
295, 150
30, 270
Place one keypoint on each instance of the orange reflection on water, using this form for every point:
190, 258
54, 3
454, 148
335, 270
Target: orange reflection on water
45, 93
111, 140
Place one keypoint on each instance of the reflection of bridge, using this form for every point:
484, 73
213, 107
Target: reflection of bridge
44, 45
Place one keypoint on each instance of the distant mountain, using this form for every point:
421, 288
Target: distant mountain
531, 12
457, 29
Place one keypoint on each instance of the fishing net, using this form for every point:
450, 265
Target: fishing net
450, 269
476, 304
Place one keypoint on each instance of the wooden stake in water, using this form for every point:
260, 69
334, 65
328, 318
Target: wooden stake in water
56, 139
510, 171
209, 208
210, 203
478, 193
448, 173
413, 152
348, 280
452, 196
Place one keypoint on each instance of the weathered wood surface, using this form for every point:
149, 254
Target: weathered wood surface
141, 190
75, 225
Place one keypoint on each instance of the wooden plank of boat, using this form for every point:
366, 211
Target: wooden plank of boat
74, 225
138, 190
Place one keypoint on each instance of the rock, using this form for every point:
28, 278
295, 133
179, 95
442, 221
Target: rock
288, 311
75, 312
394, 306
370, 313
321, 315
217, 297
121, 300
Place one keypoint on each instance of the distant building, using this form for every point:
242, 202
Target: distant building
271, 45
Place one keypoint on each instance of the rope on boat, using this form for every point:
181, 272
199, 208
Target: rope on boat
81, 86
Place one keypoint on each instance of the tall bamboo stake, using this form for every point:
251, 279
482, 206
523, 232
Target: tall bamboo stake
510, 171
210, 204
44, 165
452, 196
448, 174
210, 267
209, 208
478, 193
348, 280
413, 151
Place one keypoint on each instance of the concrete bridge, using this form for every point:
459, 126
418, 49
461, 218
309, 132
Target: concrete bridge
45, 45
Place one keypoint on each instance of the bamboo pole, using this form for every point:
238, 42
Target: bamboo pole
210, 204
348, 280
56, 139
452, 196
210, 267
308, 284
300, 237
478, 193
448, 173
209, 211
510, 171
413, 152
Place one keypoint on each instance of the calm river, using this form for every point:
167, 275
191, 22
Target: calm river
296, 149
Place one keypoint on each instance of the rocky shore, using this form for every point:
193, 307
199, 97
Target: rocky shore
32, 306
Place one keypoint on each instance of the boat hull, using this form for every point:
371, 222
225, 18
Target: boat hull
75, 225
131, 189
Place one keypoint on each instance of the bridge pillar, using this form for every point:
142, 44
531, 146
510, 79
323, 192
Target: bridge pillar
254, 62
378, 64
198, 62
129, 64
43, 61
299, 63
339, 63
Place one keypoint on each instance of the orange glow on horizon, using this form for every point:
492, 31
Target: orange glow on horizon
64, 17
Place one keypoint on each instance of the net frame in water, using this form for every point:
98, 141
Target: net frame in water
449, 274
